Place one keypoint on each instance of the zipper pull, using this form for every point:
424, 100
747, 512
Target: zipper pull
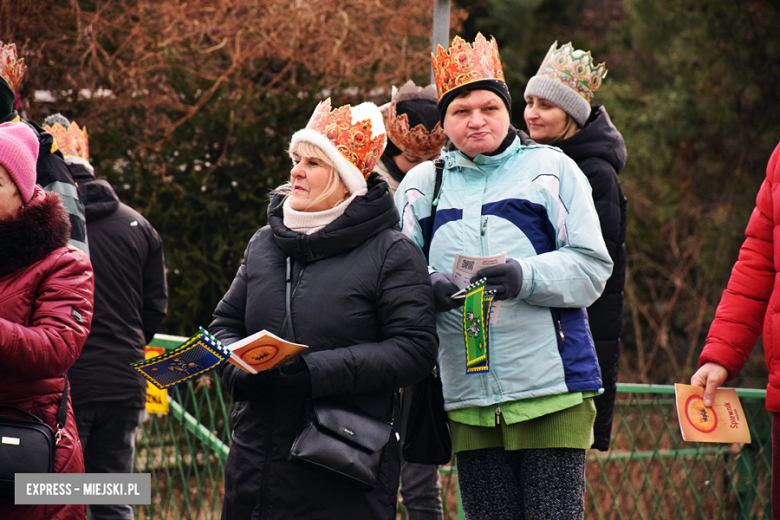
484, 226
498, 415
560, 330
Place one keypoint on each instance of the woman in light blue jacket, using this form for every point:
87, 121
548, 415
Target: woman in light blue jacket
522, 420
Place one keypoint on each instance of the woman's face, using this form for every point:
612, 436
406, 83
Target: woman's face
309, 178
545, 120
477, 122
10, 199
406, 162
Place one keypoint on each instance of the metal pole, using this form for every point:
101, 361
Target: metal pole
441, 26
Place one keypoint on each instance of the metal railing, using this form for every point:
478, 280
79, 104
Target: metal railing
650, 472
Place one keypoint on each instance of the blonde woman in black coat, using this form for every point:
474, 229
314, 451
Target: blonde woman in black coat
360, 299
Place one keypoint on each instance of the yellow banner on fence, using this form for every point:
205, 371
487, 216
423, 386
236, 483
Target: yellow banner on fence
156, 399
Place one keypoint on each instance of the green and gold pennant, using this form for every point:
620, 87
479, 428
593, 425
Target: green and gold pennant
476, 315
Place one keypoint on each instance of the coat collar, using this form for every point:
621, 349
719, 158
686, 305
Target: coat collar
365, 217
39, 227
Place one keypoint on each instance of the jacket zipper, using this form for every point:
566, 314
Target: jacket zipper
498, 415
560, 331
483, 241
297, 283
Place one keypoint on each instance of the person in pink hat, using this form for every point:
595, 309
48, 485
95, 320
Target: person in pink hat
18, 155
46, 295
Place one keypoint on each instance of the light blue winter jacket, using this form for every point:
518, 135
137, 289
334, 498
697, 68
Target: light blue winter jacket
533, 203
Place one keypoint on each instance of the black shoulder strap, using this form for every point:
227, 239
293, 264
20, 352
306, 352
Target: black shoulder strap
62, 412
439, 165
288, 310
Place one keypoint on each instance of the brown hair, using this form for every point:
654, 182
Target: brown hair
569, 130
305, 149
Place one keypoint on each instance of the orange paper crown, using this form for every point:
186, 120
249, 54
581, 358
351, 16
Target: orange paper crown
72, 142
416, 141
463, 63
353, 139
12, 68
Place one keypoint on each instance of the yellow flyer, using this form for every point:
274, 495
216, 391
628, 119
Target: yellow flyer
156, 399
724, 421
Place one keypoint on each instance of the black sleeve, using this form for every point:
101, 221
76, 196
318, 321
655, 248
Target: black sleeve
407, 350
228, 323
155, 287
609, 199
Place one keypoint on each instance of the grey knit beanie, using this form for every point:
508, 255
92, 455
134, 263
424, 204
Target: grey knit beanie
569, 79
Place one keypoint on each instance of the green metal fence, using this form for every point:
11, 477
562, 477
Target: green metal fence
650, 472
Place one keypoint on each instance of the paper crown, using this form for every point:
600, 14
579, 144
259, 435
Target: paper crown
353, 138
72, 141
416, 141
463, 63
12, 68
573, 68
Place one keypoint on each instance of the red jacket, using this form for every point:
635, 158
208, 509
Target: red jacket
46, 292
751, 301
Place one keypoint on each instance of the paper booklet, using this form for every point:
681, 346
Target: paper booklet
263, 351
725, 421
466, 267
203, 352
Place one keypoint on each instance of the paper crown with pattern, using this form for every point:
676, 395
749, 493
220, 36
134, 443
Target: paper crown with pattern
573, 68
353, 138
463, 63
12, 68
72, 141
416, 141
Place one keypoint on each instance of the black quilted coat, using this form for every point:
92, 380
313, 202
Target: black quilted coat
599, 151
362, 302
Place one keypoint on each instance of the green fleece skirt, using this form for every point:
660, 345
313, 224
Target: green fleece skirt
569, 428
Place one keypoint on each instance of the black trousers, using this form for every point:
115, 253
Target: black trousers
107, 434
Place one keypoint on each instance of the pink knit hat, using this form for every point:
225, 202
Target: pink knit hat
19, 155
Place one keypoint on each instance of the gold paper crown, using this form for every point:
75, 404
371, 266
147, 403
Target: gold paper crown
12, 68
573, 68
354, 140
463, 64
416, 141
72, 141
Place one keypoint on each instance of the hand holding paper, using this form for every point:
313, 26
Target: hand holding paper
505, 279
262, 351
710, 376
464, 270
724, 421
443, 292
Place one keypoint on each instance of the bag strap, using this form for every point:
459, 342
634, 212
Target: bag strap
22, 410
62, 412
439, 165
288, 296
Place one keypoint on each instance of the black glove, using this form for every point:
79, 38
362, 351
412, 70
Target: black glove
293, 379
506, 279
443, 288
252, 386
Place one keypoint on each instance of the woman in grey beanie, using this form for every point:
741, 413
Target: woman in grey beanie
558, 112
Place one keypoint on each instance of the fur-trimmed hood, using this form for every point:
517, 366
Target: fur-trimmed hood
39, 227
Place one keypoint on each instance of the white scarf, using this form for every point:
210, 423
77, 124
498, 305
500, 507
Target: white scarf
308, 222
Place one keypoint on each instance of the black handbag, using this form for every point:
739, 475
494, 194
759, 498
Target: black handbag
342, 440
426, 431
27, 445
